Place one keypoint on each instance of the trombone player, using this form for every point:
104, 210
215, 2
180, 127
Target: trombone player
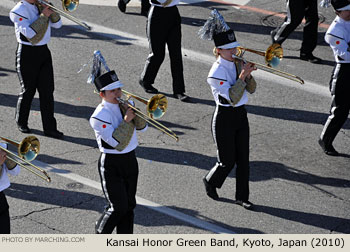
6, 167
33, 23
230, 82
115, 129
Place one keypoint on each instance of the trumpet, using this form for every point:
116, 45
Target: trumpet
27, 149
273, 56
149, 120
68, 5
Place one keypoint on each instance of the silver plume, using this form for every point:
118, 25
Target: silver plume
215, 24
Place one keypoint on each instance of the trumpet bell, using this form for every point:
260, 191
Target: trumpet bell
274, 55
29, 148
70, 5
157, 106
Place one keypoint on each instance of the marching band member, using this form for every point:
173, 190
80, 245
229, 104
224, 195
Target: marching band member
164, 28
6, 167
338, 37
145, 5
34, 63
115, 128
230, 81
296, 11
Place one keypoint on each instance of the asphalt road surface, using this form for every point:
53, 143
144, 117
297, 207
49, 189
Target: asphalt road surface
296, 188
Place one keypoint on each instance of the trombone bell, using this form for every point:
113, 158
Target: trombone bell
157, 106
70, 5
274, 55
29, 148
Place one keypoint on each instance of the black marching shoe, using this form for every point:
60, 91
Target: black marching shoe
246, 204
211, 190
148, 88
122, 6
310, 58
24, 129
329, 150
182, 97
53, 133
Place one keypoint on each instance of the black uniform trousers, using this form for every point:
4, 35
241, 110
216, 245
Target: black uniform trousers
340, 107
297, 10
230, 130
35, 72
164, 28
118, 173
4, 215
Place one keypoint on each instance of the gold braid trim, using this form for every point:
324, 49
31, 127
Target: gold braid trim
124, 132
39, 26
166, 3
123, 135
9, 163
55, 17
139, 122
251, 84
236, 91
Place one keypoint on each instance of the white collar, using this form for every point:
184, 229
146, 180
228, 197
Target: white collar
109, 105
342, 21
226, 63
27, 3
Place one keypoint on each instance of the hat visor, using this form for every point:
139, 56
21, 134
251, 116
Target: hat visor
229, 45
112, 86
344, 8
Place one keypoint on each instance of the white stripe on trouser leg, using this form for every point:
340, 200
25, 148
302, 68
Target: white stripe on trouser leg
108, 213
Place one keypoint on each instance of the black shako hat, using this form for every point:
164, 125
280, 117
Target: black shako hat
340, 5
108, 81
215, 28
225, 40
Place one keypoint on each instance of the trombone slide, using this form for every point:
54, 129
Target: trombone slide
273, 70
66, 15
28, 149
150, 120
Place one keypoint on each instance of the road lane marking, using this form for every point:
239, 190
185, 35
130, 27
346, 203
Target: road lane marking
140, 201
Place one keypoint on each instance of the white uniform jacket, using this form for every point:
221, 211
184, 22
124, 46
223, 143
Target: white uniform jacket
222, 76
105, 119
338, 37
161, 2
4, 179
23, 15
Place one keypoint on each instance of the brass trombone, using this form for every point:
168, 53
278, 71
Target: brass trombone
156, 106
68, 5
150, 120
28, 149
273, 56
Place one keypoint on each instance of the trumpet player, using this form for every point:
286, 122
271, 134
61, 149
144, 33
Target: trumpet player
33, 25
115, 129
6, 167
230, 82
